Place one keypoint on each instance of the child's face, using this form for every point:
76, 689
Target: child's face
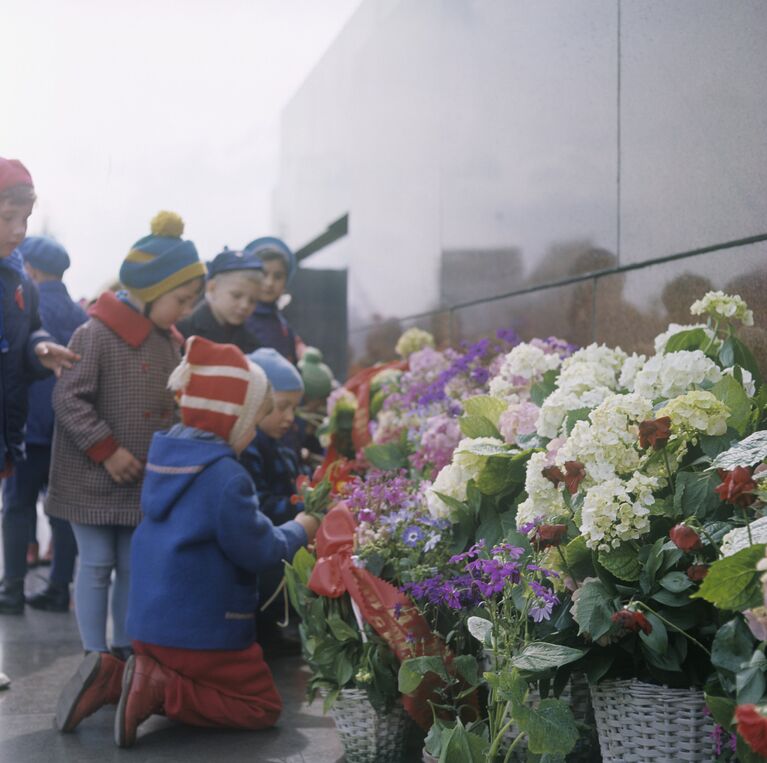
247, 437
13, 225
273, 283
174, 305
232, 296
278, 422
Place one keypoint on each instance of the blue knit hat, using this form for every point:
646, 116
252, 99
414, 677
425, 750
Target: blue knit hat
160, 262
282, 374
229, 261
45, 254
271, 245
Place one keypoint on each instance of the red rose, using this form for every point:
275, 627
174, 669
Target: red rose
575, 473
737, 486
632, 621
549, 535
752, 726
655, 433
685, 537
553, 474
696, 572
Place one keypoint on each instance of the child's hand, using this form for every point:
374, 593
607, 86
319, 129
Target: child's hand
309, 523
55, 357
123, 466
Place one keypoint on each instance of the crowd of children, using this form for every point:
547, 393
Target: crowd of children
168, 450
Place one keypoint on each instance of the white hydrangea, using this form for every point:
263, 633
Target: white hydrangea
607, 444
560, 402
672, 374
721, 306
697, 411
737, 539
543, 499
677, 328
599, 355
450, 481
631, 368
615, 511
521, 368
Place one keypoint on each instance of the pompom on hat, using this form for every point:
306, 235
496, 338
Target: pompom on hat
317, 376
282, 374
13, 173
161, 261
266, 245
45, 254
218, 389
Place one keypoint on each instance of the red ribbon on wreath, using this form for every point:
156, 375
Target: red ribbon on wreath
387, 610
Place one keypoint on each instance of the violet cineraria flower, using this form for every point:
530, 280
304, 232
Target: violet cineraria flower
366, 515
412, 536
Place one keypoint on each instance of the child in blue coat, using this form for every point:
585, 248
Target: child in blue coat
197, 556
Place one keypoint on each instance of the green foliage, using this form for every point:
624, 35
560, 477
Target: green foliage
752, 450
694, 495
733, 583
693, 339
485, 405
580, 414
622, 562
478, 426
542, 389
550, 727
733, 352
387, 457
732, 394
459, 745
595, 608
541, 656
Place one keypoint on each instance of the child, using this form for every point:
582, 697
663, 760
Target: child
197, 555
107, 410
26, 350
45, 262
267, 323
231, 293
272, 465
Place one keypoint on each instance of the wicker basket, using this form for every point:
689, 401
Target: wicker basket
642, 723
367, 736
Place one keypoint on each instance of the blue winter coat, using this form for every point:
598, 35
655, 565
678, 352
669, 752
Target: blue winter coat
60, 316
271, 329
274, 468
20, 331
196, 555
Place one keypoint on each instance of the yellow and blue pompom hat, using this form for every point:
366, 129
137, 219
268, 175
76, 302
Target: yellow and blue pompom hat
162, 261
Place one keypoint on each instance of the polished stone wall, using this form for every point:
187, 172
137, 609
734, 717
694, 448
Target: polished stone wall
584, 169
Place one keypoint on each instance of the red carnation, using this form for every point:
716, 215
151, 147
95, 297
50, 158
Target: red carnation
752, 726
553, 474
655, 433
575, 473
696, 572
632, 621
549, 535
685, 537
737, 486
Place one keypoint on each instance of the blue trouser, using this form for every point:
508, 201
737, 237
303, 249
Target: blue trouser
103, 548
20, 494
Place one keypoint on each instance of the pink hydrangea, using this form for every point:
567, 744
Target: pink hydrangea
518, 419
436, 443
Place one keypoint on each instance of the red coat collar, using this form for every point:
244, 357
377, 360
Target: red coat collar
132, 327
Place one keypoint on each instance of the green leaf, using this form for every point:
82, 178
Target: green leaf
750, 685
676, 582
550, 727
694, 495
485, 405
541, 390
671, 599
461, 746
621, 562
651, 566
466, 666
733, 646
303, 563
344, 671
732, 394
541, 656
499, 473
342, 630
594, 610
692, 339
579, 559
597, 663
413, 670
330, 699
657, 639
748, 452
386, 457
478, 426
743, 357
733, 583
722, 709
580, 414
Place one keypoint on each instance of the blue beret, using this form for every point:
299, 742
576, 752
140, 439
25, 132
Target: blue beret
230, 260
271, 245
282, 374
45, 254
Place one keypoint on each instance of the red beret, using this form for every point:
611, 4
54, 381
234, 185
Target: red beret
13, 172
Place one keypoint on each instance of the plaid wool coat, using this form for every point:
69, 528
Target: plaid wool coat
116, 396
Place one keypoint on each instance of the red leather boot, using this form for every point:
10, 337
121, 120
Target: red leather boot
96, 683
143, 695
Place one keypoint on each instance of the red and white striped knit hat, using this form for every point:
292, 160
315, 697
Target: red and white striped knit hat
218, 389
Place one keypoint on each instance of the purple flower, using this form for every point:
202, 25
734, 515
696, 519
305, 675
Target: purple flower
397, 610
366, 515
412, 536
541, 611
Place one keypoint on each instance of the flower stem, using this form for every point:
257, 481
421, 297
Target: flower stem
748, 526
675, 627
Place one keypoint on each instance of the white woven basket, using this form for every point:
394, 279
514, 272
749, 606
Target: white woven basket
643, 723
367, 736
